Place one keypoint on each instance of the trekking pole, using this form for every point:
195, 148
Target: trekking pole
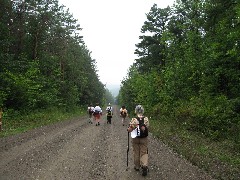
127, 151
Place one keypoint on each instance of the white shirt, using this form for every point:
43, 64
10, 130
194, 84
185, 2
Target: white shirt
97, 108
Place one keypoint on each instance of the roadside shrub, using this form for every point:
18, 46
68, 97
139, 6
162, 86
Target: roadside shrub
213, 117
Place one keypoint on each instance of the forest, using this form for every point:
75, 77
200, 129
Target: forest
44, 60
187, 74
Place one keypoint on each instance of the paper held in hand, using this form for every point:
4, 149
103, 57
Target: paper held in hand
135, 132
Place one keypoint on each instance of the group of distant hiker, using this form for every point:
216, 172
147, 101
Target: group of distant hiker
96, 112
137, 128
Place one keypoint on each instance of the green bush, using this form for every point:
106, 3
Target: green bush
20, 121
214, 117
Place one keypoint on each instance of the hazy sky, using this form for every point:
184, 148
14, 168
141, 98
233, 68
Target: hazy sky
111, 28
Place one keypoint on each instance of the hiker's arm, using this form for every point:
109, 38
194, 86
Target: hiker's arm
132, 125
146, 122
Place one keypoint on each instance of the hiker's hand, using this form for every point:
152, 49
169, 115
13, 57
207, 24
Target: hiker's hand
130, 129
133, 126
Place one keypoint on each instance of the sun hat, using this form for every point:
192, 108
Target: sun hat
139, 109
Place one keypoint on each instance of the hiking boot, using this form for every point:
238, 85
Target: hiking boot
98, 123
144, 170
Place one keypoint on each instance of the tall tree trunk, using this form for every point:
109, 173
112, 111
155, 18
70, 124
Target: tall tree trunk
35, 45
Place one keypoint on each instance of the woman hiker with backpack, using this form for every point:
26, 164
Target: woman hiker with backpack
97, 114
138, 128
123, 114
90, 111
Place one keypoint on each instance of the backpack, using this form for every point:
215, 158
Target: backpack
123, 113
141, 133
109, 111
90, 110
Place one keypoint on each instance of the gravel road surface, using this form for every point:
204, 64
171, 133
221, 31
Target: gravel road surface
77, 150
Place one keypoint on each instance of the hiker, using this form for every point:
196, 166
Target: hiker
109, 113
123, 114
97, 114
138, 127
90, 111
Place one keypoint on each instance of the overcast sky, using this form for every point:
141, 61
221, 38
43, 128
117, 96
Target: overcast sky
111, 28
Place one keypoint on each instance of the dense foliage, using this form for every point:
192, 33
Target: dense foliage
187, 76
43, 58
188, 67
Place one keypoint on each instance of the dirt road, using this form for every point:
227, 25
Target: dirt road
78, 150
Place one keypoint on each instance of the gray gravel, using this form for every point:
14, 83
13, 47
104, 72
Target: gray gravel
75, 149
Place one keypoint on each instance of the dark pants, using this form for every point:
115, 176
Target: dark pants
109, 119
